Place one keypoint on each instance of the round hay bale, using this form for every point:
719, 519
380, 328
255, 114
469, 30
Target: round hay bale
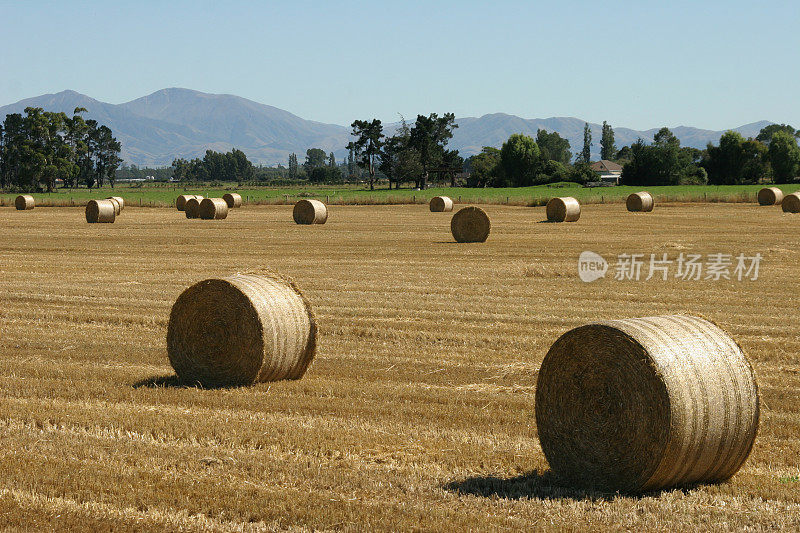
192, 207
180, 201
24, 202
101, 211
119, 199
441, 204
640, 202
770, 196
213, 209
565, 209
233, 199
117, 206
791, 203
240, 330
470, 224
646, 404
310, 212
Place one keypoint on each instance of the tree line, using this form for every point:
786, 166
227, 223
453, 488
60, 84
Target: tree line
412, 154
215, 166
773, 155
40, 147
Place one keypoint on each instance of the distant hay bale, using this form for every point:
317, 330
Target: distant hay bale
24, 202
770, 196
791, 203
117, 206
645, 404
233, 199
441, 204
240, 330
119, 199
213, 209
180, 201
103, 211
470, 224
565, 209
310, 212
640, 202
192, 207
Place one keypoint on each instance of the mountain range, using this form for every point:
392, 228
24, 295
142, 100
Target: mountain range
171, 123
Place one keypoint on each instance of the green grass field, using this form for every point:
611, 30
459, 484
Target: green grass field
163, 195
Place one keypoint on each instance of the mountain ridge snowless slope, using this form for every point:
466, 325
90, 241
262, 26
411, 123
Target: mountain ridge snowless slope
170, 123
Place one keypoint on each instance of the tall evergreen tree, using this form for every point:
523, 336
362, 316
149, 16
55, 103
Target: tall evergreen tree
367, 146
429, 137
586, 153
607, 148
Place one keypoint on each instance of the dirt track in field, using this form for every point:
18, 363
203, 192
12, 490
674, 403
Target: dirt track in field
417, 412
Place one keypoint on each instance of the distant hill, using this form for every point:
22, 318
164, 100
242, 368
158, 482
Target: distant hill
170, 123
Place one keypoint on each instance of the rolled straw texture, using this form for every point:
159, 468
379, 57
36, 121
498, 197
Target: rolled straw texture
770, 196
640, 202
213, 209
233, 199
791, 203
102, 211
310, 212
180, 201
192, 207
240, 330
565, 209
119, 199
646, 404
116, 204
24, 202
470, 224
440, 204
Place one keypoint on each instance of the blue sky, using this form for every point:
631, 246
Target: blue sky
638, 64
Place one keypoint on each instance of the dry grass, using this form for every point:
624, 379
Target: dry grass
418, 411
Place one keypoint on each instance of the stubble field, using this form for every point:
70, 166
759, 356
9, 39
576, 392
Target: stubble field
417, 412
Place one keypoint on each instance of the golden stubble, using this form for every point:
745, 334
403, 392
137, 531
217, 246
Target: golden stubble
418, 409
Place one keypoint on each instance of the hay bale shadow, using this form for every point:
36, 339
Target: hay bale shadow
174, 382
533, 485
537, 486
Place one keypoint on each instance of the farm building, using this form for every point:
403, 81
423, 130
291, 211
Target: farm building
608, 170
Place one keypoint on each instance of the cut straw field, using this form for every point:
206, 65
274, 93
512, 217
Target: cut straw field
418, 410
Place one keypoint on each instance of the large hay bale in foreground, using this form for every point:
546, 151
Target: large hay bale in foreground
640, 202
120, 200
100, 211
791, 203
192, 207
117, 205
233, 199
770, 196
213, 209
24, 202
645, 404
565, 209
470, 224
310, 212
240, 330
440, 204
